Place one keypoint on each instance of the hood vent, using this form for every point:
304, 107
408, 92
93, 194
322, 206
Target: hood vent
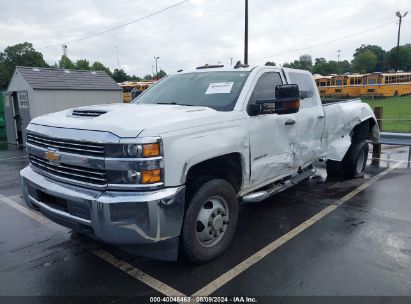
88, 113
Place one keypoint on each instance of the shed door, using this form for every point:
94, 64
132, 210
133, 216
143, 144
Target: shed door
8, 117
21, 114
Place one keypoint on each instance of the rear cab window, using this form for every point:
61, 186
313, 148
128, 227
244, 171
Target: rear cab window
307, 88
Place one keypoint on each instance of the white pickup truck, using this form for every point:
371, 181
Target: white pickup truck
169, 170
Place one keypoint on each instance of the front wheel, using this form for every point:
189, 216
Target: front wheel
210, 221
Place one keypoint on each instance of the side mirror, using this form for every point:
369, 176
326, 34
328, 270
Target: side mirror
286, 101
287, 98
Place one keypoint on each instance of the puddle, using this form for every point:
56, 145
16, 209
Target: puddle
3, 145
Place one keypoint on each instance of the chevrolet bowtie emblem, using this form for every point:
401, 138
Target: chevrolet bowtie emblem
52, 156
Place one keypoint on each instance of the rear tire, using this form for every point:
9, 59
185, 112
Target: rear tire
353, 163
210, 220
333, 168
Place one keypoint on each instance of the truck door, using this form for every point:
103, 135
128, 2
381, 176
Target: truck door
271, 135
310, 119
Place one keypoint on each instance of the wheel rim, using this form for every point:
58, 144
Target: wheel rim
212, 221
360, 162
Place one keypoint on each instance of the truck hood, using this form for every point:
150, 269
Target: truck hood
130, 120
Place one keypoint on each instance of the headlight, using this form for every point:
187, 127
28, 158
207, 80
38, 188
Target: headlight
124, 177
138, 164
132, 177
133, 150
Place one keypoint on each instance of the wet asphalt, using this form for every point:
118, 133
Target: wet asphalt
363, 248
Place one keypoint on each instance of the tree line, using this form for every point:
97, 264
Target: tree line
23, 54
366, 59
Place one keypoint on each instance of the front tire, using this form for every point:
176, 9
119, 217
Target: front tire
210, 221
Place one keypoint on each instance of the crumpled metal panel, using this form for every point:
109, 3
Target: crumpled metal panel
340, 120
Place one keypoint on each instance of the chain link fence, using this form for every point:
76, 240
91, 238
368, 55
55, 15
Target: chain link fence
395, 114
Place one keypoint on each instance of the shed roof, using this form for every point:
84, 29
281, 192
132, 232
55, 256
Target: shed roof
61, 79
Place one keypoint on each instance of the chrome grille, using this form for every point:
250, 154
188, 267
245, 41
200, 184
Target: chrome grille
63, 145
82, 174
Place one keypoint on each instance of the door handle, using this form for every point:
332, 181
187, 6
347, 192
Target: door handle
321, 117
290, 122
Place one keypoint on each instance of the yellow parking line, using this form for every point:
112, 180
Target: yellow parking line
138, 274
16, 157
34, 215
247, 263
123, 266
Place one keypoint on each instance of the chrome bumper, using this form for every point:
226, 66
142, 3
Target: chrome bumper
119, 218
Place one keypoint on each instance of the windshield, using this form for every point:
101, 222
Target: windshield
217, 90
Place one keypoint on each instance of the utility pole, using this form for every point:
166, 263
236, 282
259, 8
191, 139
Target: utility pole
156, 59
64, 46
118, 60
246, 34
338, 56
398, 14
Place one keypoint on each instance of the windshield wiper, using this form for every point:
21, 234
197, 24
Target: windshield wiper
174, 103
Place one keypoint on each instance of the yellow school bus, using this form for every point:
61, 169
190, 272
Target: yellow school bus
131, 89
353, 85
140, 87
127, 88
386, 84
338, 83
323, 84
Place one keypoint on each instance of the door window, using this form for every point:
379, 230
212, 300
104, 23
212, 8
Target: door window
265, 86
306, 86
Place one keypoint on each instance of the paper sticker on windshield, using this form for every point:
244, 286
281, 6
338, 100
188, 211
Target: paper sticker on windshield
220, 88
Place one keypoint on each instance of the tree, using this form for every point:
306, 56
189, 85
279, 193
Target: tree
148, 77
405, 58
82, 64
135, 78
120, 76
270, 63
325, 67
19, 54
66, 63
378, 51
304, 63
161, 74
365, 62
98, 66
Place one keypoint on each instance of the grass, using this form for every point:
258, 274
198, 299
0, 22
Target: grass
396, 112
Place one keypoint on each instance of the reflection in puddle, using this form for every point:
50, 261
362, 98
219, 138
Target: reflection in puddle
3, 145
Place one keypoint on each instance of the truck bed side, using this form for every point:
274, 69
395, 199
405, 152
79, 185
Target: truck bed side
340, 120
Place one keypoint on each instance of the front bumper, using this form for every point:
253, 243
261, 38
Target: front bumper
120, 218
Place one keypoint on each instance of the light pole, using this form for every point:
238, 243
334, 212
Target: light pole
246, 34
156, 59
398, 14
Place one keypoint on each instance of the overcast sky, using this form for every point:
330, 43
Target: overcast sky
201, 31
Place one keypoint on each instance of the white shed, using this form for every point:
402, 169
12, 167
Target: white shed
37, 91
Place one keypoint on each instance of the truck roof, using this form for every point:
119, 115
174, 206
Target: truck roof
232, 69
